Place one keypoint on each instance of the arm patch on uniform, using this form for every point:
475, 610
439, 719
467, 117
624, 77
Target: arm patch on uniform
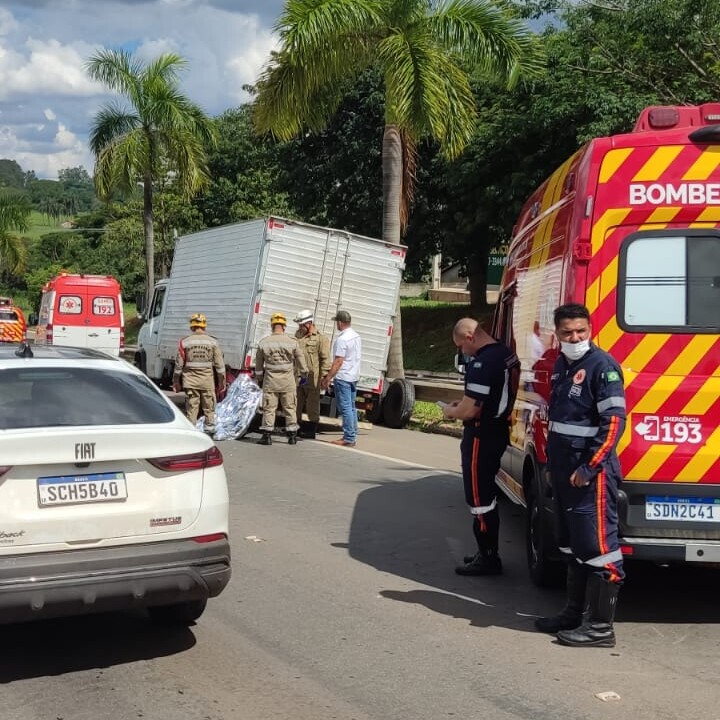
613, 376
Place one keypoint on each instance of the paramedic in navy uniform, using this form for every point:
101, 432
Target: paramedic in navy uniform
586, 418
491, 380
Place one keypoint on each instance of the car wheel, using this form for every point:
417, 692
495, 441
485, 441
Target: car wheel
544, 571
399, 403
184, 613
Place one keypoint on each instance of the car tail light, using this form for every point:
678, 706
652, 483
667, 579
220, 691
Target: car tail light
196, 461
627, 550
210, 538
4, 469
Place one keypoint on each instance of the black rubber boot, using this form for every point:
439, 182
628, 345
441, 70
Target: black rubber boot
484, 563
292, 438
266, 438
571, 615
597, 630
307, 430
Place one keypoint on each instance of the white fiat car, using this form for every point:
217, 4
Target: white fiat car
109, 498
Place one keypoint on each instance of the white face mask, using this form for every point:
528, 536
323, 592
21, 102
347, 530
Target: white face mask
574, 351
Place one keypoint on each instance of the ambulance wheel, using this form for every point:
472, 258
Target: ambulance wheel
544, 570
376, 414
398, 404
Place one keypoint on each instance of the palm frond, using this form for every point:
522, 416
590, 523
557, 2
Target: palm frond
111, 122
117, 69
13, 253
489, 38
15, 209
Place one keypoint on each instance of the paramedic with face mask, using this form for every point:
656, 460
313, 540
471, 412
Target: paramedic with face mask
586, 418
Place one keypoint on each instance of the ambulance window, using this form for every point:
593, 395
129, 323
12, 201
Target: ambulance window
670, 281
103, 306
70, 304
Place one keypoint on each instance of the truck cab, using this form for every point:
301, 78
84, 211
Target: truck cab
147, 357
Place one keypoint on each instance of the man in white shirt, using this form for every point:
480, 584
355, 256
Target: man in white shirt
344, 374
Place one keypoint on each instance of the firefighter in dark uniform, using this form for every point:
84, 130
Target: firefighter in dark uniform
586, 418
491, 380
199, 367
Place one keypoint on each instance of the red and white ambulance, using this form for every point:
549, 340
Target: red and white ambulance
630, 227
82, 311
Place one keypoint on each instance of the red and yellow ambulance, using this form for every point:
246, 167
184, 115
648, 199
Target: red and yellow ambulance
630, 227
82, 311
12, 322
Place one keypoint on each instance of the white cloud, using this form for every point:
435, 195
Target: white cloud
48, 102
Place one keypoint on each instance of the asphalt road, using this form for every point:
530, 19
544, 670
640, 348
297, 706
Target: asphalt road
344, 605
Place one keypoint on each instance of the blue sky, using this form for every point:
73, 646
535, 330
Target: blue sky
47, 102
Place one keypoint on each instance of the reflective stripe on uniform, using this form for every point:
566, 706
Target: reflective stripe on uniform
482, 389
611, 402
484, 509
602, 560
566, 550
198, 364
573, 430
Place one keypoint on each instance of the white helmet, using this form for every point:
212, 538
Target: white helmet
304, 316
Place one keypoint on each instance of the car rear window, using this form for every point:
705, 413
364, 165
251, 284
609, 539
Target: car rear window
8, 315
51, 397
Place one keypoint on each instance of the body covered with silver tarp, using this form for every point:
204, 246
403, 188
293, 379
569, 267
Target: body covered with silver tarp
236, 410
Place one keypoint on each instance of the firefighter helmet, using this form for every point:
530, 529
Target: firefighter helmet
304, 316
278, 319
198, 320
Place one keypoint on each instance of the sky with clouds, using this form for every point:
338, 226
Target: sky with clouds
47, 101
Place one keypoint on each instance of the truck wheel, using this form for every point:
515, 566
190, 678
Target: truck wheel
376, 415
141, 361
399, 402
544, 570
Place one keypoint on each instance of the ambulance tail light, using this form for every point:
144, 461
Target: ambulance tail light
663, 117
49, 334
122, 337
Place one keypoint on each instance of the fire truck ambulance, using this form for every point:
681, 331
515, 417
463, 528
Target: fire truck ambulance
630, 227
82, 311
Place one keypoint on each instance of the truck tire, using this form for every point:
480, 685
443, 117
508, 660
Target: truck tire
543, 567
141, 360
398, 404
376, 415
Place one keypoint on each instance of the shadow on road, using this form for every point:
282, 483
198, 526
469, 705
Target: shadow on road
418, 529
56, 647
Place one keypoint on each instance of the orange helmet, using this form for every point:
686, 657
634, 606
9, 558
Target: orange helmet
198, 320
278, 319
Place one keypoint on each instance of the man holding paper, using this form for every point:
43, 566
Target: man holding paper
492, 373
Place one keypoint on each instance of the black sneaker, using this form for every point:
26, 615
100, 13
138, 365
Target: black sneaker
481, 565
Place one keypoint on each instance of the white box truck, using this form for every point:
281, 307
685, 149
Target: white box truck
238, 275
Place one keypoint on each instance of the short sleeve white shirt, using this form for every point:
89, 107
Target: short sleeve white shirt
348, 346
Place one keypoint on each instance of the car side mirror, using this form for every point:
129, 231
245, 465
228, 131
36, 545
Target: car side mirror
460, 363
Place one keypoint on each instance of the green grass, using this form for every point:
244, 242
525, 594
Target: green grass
132, 323
40, 225
427, 333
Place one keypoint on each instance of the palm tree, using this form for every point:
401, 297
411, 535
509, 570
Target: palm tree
425, 51
15, 211
161, 133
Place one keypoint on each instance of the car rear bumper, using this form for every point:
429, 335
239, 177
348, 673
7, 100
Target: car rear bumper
668, 550
77, 582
